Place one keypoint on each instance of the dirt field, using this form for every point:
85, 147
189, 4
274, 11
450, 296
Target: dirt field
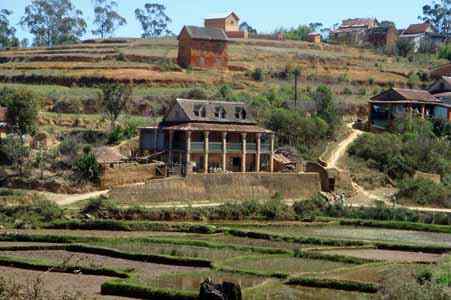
388, 255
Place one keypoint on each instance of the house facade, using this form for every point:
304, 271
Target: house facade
419, 35
202, 48
396, 103
382, 37
314, 37
210, 137
353, 31
229, 22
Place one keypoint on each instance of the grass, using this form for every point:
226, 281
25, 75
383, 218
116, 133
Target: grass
280, 266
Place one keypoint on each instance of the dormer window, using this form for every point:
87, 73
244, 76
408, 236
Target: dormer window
240, 113
200, 111
220, 112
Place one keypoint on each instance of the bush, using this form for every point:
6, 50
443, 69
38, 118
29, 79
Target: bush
404, 47
258, 74
87, 169
445, 52
347, 91
424, 192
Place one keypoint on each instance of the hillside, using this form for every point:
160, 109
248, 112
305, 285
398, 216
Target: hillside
151, 63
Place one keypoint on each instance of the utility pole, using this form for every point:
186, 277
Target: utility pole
296, 73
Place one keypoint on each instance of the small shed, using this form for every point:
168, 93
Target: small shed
314, 37
202, 47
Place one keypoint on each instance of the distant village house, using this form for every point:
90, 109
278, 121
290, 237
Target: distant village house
423, 35
314, 37
353, 31
229, 22
202, 48
209, 137
382, 37
387, 107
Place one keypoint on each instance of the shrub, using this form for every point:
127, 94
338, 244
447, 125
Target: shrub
347, 91
87, 168
424, 192
445, 52
404, 47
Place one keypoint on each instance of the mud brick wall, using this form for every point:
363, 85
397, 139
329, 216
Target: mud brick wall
221, 188
121, 174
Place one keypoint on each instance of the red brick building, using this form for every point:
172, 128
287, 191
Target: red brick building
314, 37
381, 37
229, 22
202, 48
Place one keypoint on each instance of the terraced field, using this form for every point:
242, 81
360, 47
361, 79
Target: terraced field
172, 263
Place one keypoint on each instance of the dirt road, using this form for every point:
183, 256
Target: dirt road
67, 199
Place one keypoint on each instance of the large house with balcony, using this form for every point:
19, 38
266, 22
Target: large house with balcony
209, 137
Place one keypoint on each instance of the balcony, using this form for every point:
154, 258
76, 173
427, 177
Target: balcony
197, 147
215, 147
234, 147
265, 148
251, 147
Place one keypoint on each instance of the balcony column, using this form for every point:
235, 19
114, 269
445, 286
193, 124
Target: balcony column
170, 146
188, 148
271, 155
423, 111
257, 158
370, 119
206, 141
224, 152
244, 152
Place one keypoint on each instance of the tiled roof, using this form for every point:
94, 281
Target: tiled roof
203, 33
217, 127
397, 94
417, 28
441, 71
220, 16
229, 115
3, 114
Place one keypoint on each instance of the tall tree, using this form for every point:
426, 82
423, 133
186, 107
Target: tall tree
23, 109
246, 27
53, 22
153, 19
114, 100
7, 32
107, 19
438, 14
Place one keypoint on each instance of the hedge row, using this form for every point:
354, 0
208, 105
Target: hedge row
344, 285
397, 225
158, 259
114, 225
334, 257
41, 265
55, 239
32, 248
414, 248
126, 289
290, 239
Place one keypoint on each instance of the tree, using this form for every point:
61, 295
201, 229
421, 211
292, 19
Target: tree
387, 24
15, 151
299, 33
7, 33
154, 20
86, 168
438, 14
23, 108
404, 47
316, 26
107, 19
53, 22
246, 27
114, 101
326, 107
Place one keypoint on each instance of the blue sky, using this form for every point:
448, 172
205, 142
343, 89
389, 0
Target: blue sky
264, 15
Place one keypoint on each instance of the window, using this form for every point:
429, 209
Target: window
240, 113
200, 111
220, 112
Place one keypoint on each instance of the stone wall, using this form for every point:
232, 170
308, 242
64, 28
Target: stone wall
222, 188
121, 174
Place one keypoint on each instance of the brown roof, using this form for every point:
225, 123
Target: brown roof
396, 94
203, 33
188, 107
222, 16
218, 127
444, 70
282, 159
417, 28
3, 111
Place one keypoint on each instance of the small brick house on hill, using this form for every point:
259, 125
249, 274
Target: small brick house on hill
422, 34
202, 47
314, 37
353, 31
229, 22
209, 137
396, 103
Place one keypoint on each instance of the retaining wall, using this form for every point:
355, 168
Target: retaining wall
121, 174
222, 188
